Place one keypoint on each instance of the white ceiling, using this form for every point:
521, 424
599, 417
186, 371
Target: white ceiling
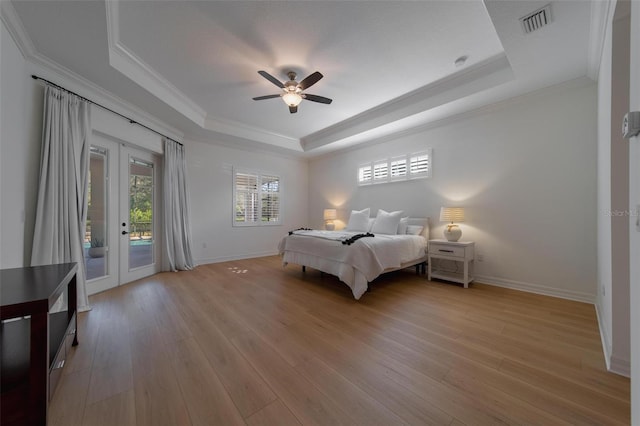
387, 65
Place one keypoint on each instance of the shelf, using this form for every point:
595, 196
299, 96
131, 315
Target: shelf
15, 338
32, 339
450, 276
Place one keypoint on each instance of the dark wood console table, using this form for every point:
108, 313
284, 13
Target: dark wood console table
34, 341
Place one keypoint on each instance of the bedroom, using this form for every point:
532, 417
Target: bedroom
541, 232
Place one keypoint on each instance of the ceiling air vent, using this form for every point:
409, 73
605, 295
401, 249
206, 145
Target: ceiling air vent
536, 20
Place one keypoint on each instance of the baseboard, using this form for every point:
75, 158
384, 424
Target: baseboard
604, 337
235, 257
620, 366
577, 296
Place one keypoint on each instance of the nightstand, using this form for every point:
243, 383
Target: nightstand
458, 253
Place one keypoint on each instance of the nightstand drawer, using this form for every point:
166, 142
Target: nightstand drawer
446, 250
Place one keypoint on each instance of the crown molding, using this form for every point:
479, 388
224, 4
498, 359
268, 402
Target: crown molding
69, 79
246, 145
244, 131
494, 106
484, 75
66, 78
601, 14
128, 63
16, 29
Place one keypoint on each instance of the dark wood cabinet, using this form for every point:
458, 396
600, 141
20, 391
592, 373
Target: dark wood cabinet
35, 340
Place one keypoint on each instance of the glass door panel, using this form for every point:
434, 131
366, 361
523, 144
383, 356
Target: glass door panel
138, 207
96, 255
140, 213
101, 249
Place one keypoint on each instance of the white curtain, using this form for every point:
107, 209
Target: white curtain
177, 229
61, 212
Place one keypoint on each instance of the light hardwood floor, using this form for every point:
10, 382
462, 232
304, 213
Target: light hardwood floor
250, 342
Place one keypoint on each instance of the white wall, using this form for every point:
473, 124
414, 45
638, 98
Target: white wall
620, 193
634, 201
525, 171
20, 134
613, 193
603, 302
210, 179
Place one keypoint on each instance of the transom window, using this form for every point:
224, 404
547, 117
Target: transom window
256, 199
402, 167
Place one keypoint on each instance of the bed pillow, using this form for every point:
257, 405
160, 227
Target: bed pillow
387, 223
402, 226
359, 221
414, 229
371, 222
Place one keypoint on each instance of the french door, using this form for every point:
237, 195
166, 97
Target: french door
122, 220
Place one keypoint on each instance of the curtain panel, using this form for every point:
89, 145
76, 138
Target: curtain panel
177, 218
61, 210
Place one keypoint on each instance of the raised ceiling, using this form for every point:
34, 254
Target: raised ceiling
388, 66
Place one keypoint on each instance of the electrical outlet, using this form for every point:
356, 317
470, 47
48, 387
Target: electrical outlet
603, 290
480, 257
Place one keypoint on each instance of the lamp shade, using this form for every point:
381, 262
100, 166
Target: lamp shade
330, 214
292, 99
452, 214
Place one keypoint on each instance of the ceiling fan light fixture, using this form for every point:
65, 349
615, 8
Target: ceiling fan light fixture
292, 99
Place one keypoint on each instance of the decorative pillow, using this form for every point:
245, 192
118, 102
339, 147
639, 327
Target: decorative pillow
387, 223
402, 227
414, 229
359, 221
371, 222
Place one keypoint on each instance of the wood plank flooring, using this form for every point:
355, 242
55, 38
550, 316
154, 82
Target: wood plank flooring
252, 343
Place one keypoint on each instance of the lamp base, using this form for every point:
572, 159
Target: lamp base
452, 233
330, 226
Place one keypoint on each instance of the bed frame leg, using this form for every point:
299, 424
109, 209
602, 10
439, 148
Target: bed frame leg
304, 268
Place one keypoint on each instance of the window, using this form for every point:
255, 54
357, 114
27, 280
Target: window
364, 174
256, 199
401, 167
420, 164
380, 171
398, 168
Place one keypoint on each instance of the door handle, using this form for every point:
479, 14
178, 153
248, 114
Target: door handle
124, 232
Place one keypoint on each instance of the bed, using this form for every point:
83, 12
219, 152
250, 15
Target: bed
361, 261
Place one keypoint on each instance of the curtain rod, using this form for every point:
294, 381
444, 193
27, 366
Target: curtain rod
35, 77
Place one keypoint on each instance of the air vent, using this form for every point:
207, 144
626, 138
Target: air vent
536, 20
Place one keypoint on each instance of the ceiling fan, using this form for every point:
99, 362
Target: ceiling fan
292, 91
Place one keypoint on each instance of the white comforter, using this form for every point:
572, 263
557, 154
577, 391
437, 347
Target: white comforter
354, 264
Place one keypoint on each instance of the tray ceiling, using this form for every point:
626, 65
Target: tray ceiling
388, 66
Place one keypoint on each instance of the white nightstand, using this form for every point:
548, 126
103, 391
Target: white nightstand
458, 251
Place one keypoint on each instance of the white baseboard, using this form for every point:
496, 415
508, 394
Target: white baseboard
614, 364
219, 259
620, 366
577, 296
604, 337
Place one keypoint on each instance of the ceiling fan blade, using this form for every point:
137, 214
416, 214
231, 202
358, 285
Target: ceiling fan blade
259, 98
310, 80
271, 79
293, 109
316, 98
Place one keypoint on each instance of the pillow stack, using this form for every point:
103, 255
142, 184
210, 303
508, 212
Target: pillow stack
387, 223
390, 223
359, 221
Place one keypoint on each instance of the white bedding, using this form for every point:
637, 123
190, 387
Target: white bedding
355, 264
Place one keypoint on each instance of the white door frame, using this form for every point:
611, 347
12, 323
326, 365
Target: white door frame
127, 273
112, 256
116, 244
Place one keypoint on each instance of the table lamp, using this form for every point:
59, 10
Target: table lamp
452, 214
329, 216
